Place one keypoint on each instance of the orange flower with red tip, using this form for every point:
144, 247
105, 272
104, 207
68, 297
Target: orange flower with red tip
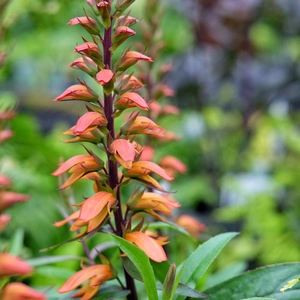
11, 265
129, 100
78, 165
78, 92
91, 50
129, 59
20, 291
94, 275
123, 152
152, 247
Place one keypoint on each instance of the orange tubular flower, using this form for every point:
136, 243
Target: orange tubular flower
129, 100
129, 82
129, 59
142, 125
7, 199
20, 291
11, 265
150, 246
148, 202
78, 92
123, 152
91, 50
96, 275
79, 165
192, 225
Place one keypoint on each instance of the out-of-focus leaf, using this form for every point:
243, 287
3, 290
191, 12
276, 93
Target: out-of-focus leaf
262, 282
55, 272
162, 225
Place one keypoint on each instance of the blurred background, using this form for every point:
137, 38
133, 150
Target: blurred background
236, 76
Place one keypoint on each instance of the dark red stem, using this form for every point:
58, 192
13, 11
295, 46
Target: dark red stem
112, 165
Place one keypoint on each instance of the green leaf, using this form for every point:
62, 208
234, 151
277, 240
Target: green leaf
46, 260
160, 269
111, 292
55, 272
142, 263
261, 282
17, 242
199, 261
168, 288
184, 290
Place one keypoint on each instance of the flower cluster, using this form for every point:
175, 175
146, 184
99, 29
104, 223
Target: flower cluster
123, 159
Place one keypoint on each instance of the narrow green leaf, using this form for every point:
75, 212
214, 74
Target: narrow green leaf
131, 269
55, 272
168, 286
261, 282
17, 242
111, 292
142, 263
160, 269
184, 290
46, 260
199, 261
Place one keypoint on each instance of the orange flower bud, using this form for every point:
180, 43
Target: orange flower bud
20, 291
78, 92
89, 24
123, 152
121, 34
104, 9
129, 59
128, 82
106, 78
126, 21
91, 119
85, 64
92, 51
129, 100
11, 265
7, 199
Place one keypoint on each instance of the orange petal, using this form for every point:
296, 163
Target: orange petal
20, 291
95, 204
73, 216
148, 245
172, 163
124, 148
78, 159
145, 167
88, 119
131, 99
81, 276
104, 76
77, 92
11, 265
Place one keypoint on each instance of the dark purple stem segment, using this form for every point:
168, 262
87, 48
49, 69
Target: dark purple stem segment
112, 166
